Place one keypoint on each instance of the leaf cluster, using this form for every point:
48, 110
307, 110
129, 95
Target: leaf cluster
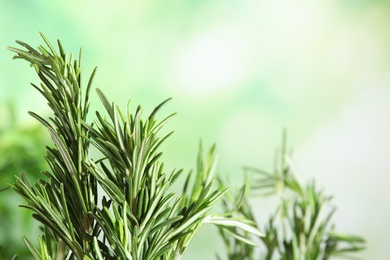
118, 205
300, 227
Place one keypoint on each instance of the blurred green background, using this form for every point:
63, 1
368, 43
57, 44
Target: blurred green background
239, 72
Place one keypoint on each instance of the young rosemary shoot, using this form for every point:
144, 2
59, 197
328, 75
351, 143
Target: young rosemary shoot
300, 228
119, 205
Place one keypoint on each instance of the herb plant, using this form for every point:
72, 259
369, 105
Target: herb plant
299, 229
121, 204
118, 205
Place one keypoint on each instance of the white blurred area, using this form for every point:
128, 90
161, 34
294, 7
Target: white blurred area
349, 157
212, 61
241, 72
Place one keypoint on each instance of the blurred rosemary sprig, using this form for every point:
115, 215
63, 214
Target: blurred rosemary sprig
299, 229
117, 206
21, 150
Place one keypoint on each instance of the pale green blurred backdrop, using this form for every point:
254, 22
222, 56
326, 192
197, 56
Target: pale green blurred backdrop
239, 72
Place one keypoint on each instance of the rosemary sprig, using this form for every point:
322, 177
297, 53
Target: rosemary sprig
301, 226
63, 203
117, 206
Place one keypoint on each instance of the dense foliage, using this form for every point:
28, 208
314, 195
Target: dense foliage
118, 205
